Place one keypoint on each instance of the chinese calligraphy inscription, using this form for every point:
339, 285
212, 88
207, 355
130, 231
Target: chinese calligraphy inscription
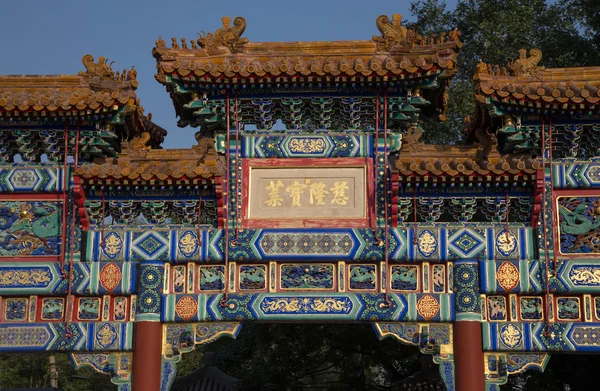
307, 192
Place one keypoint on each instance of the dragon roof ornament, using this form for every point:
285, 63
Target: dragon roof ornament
225, 53
523, 80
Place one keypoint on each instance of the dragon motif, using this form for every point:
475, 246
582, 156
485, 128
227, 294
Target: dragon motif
585, 276
35, 228
227, 37
210, 275
137, 146
30, 277
393, 33
526, 66
577, 222
100, 69
357, 274
411, 141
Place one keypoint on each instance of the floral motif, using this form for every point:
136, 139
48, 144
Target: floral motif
428, 307
110, 276
186, 307
508, 276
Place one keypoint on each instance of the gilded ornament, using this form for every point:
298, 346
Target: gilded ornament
427, 243
393, 33
308, 145
188, 243
24, 277
508, 276
113, 244
428, 307
186, 307
526, 66
585, 275
106, 335
511, 335
506, 242
100, 69
110, 276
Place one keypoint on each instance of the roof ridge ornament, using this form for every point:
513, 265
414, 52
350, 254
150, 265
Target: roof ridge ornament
527, 66
393, 33
522, 66
227, 37
102, 71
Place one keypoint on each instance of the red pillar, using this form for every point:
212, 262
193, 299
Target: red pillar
147, 356
468, 356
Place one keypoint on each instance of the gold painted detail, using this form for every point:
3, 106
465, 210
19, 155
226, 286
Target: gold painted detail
428, 307
106, 335
24, 277
316, 193
186, 307
306, 305
585, 275
299, 145
508, 276
274, 194
188, 243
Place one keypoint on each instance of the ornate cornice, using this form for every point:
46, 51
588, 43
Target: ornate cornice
139, 162
397, 52
522, 81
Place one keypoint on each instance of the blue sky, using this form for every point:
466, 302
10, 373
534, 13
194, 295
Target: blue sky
51, 36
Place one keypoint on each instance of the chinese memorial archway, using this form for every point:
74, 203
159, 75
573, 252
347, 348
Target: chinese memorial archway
485, 255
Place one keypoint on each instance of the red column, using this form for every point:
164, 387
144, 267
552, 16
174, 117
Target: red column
147, 356
468, 356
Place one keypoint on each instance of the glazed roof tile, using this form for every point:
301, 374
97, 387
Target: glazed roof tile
397, 52
138, 162
523, 81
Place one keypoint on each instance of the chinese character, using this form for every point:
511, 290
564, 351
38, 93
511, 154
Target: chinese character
274, 198
339, 193
296, 189
317, 193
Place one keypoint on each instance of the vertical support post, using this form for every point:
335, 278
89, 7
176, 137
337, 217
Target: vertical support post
147, 344
468, 347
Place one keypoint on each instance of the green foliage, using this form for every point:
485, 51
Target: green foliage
493, 31
306, 356
33, 370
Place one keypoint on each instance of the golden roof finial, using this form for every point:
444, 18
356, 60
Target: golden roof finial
226, 21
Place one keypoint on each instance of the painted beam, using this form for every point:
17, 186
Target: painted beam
86, 337
348, 307
123, 244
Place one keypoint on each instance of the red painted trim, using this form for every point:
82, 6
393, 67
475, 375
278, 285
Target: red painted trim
31, 197
468, 356
147, 352
247, 164
555, 220
537, 198
49, 258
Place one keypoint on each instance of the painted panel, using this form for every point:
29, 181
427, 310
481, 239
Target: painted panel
30, 229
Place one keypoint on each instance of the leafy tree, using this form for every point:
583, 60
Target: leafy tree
493, 31
308, 356
33, 370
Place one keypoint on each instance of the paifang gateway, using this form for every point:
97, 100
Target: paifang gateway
485, 255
